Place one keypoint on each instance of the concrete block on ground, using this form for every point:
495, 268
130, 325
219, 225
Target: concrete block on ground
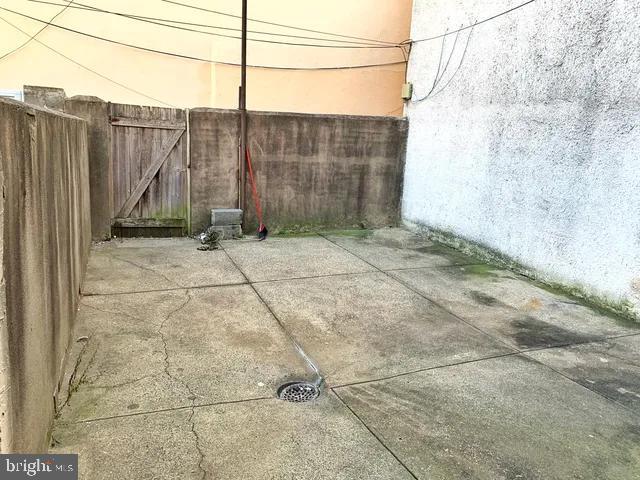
228, 232
226, 216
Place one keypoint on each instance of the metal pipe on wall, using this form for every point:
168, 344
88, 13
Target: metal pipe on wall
242, 189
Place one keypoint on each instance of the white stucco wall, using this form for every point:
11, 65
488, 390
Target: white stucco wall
533, 149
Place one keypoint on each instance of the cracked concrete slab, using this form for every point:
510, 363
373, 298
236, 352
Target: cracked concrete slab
499, 419
157, 446
180, 383
265, 439
280, 440
139, 265
397, 248
285, 258
159, 350
362, 327
611, 368
511, 308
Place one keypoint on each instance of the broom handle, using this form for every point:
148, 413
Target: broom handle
254, 190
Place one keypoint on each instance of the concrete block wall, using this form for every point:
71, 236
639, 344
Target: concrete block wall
311, 170
46, 234
532, 149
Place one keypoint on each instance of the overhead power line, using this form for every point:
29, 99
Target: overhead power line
473, 25
31, 37
433, 92
217, 12
189, 57
92, 9
87, 68
222, 35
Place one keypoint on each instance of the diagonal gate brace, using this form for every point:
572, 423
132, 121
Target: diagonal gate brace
150, 173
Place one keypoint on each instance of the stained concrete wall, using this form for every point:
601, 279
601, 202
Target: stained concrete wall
96, 113
213, 137
311, 170
532, 148
50, 97
45, 244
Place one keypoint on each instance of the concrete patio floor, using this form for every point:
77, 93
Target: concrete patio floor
436, 366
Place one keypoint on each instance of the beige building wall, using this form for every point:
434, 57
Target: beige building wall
87, 66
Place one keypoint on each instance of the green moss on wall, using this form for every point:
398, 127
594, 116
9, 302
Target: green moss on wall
622, 310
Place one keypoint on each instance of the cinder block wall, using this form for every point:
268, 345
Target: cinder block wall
46, 234
532, 149
311, 170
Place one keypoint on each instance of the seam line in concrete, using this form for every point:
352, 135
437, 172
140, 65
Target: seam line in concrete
409, 287
605, 397
313, 276
576, 344
221, 285
374, 435
428, 268
517, 351
171, 289
478, 360
307, 359
425, 369
164, 410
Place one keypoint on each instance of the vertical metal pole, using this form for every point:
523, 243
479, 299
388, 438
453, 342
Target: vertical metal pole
187, 112
243, 112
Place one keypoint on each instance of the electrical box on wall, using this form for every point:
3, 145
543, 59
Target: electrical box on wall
407, 91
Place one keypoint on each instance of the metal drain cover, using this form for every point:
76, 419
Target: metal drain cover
298, 392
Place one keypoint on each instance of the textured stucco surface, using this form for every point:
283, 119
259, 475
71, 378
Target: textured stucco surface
532, 148
45, 242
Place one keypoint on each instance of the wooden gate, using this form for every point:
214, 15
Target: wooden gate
149, 161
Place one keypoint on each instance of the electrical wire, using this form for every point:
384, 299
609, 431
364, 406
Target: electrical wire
439, 77
93, 9
32, 37
446, 65
457, 32
189, 57
464, 53
217, 12
435, 80
261, 40
474, 24
462, 57
87, 68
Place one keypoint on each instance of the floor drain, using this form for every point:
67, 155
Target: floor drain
298, 392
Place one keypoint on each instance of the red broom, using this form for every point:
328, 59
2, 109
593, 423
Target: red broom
262, 229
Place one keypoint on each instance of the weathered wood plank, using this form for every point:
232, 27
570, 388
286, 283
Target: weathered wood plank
150, 173
147, 123
133, 152
149, 222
